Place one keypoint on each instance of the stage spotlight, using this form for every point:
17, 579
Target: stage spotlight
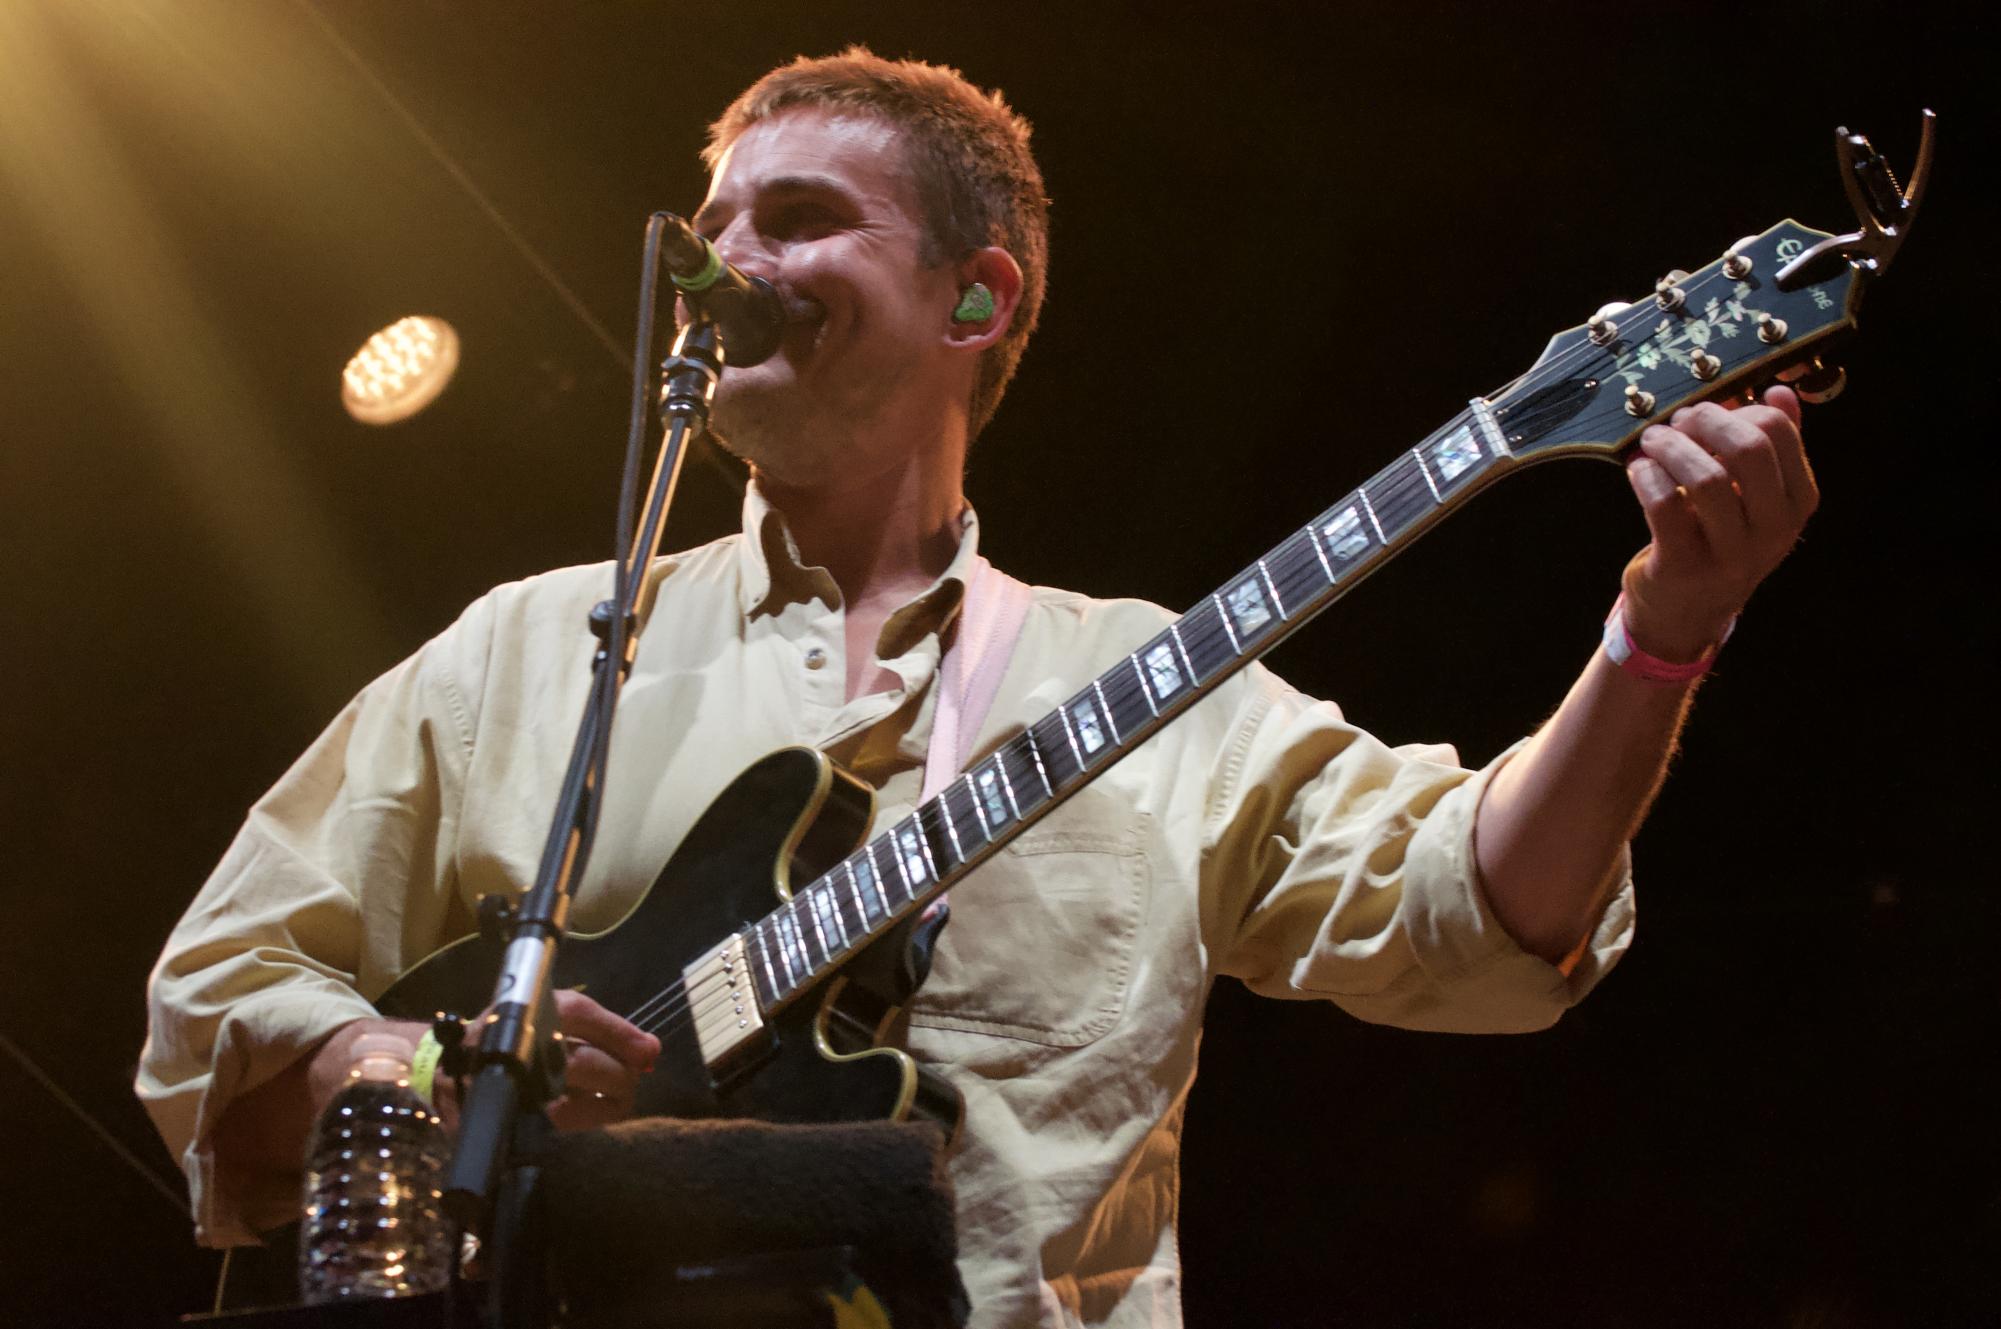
400, 370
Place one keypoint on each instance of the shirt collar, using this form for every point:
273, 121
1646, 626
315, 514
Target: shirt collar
771, 572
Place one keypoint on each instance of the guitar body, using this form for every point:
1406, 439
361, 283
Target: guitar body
784, 819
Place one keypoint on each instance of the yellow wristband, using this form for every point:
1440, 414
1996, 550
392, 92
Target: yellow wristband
424, 1064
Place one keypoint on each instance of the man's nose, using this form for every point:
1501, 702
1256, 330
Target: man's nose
740, 246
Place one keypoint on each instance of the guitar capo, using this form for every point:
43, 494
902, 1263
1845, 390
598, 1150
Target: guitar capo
1884, 210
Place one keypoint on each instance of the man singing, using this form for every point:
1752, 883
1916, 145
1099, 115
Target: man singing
898, 212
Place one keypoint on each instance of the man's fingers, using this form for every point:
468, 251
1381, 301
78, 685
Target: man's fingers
591, 1072
598, 1090
1705, 485
584, 1020
1784, 400
1743, 441
1801, 489
1677, 535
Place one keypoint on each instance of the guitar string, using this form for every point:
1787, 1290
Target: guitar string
1198, 632
1398, 482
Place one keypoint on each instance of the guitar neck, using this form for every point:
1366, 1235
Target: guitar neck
796, 946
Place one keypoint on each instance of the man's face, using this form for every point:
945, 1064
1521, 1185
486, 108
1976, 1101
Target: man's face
823, 207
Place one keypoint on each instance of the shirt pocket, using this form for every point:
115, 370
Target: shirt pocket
1043, 937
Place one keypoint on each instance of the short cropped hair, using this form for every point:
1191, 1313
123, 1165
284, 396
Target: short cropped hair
976, 179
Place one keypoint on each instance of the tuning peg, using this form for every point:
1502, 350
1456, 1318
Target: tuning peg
1601, 326
1704, 365
1819, 382
1771, 330
1639, 402
1667, 291
1737, 263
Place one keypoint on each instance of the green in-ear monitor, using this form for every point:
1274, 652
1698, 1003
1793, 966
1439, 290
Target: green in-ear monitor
976, 304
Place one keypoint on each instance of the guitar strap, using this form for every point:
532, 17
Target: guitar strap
969, 676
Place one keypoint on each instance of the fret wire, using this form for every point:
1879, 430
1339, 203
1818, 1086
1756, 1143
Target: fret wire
895, 861
875, 879
828, 906
1298, 577
811, 905
1041, 771
764, 957
902, 872
1207, 642
1276, 602
832, 881
1069, 734
785, 951
788, 929
1404, 501
812, 967
1174, 631
1223, 617
1436, 497
1313, 537
951, 832
1007, 785
1104, 709
973, 797
923, 844
808, 933
1306, 557
1228, 645
923, 853
778, 939
1145, 692
855, 889
813, 916
1370, 509
860, 893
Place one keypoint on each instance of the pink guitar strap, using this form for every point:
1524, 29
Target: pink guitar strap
969, 676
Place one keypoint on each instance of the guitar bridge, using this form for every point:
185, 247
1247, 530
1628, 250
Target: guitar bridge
723, 1002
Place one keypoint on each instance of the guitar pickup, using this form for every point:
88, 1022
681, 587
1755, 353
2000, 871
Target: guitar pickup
722, 1002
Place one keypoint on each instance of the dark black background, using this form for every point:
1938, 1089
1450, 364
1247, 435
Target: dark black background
1288, 241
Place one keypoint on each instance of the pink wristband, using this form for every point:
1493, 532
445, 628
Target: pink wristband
1623, 651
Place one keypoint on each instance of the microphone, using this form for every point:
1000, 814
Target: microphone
748, 313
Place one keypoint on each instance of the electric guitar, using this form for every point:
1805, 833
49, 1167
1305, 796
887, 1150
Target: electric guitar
743, 956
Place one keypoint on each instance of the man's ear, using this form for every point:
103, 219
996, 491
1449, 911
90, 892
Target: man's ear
987, 293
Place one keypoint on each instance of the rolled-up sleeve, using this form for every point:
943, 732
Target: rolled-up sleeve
340, 876
1344, 870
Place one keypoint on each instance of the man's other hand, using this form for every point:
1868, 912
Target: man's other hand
607, 1055
1726, 494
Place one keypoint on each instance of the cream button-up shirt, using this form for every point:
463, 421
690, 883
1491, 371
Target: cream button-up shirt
1260, 836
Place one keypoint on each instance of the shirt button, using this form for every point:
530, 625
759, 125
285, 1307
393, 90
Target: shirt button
816, 658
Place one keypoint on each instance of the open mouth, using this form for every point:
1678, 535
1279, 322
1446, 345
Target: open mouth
801, 311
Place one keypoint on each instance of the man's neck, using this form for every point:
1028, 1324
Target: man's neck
882, 538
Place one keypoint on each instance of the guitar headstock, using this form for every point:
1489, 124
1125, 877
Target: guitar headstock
1702, 336
1760, 312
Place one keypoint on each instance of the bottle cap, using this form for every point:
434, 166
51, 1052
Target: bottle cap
381, 1056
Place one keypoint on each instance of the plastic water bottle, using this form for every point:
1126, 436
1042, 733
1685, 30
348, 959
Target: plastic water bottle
374, 1225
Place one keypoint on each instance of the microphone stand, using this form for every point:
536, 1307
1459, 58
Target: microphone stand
516, 1070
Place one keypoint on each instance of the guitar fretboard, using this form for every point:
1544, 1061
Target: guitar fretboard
895, 873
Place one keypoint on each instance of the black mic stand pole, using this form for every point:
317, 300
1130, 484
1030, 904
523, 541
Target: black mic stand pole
517, 1068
